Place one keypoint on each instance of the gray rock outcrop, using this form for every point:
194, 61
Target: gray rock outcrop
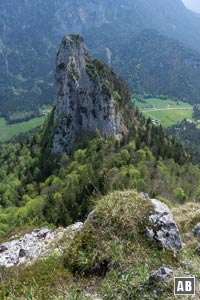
34, 245
163, 229
85, 100
161, 275
90, 217
196, 230
197, 250
27, 247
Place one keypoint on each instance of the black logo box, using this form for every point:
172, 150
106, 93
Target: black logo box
184, 286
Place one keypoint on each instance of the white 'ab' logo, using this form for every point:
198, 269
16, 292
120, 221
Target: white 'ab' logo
187, 287
184, 285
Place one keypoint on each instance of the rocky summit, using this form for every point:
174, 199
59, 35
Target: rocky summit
89, 96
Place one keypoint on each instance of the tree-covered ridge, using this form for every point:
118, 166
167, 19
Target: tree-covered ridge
189, 134
37, 187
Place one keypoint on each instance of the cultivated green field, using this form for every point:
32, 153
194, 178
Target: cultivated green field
170, 117
168, 112
9, 131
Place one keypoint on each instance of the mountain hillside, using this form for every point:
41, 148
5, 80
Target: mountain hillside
154, 64
188, 133
30, 34
115, 149
129, 245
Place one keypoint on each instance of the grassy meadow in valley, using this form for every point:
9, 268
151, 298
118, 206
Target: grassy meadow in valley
168, 112
9, 131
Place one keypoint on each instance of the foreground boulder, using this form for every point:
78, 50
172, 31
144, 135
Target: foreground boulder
41, 242
163, 229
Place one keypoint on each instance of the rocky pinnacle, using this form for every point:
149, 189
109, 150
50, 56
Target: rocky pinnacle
86, 101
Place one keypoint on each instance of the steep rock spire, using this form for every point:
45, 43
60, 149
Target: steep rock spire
89, 96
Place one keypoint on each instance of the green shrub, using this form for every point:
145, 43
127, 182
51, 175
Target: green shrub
120, 219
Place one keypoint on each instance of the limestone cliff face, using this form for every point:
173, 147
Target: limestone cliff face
87, 96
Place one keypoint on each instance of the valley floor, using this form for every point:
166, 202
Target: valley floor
165, 112
9, 131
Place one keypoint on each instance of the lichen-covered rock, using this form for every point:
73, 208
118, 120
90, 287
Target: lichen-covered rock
78, 226
196, 230
27, 247
90, 217
86, 97
34, 245
161, 275
41, 233
163, 229
197, 250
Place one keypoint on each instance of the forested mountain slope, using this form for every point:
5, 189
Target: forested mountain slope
153, 64
40, 185
117, 155
189, 134
30, 32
